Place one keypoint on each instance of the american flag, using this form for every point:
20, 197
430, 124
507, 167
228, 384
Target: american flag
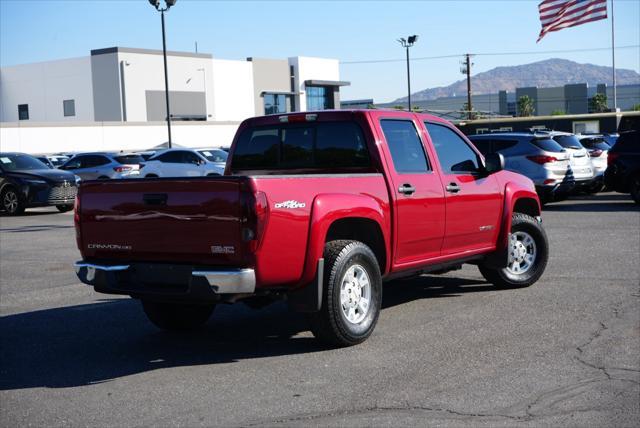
558, 14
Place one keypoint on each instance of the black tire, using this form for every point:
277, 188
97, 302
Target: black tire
595, 188
213, 174
12, 203
64, 208
177, 316
505, 278
330, 324
634, 189
103, 177
150, 176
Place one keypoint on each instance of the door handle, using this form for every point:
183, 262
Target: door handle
453, 188
407, 189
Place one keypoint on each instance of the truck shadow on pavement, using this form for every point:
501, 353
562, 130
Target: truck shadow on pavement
594, 203
94, 343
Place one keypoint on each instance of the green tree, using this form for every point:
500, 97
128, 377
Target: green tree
635, 107
558, 113
598, 103
398, 107
525, 106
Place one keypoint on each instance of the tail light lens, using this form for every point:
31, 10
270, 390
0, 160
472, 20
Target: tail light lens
76, 220
258, 217
612, 157
549, 181
595, 153
122, 168
542, 159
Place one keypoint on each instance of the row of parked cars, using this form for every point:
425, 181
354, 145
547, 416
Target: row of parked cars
559, 163
28, 181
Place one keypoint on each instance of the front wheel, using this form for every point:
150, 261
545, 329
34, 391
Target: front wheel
11, 202
352, 294
64, 208
528, 252
177, 316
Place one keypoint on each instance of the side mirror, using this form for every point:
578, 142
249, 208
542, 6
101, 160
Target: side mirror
493, 162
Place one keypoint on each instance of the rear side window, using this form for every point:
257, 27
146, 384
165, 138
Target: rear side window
547, 144
318, 145
94, 160
454, 153
483, 145
502, 145
405, 146
169, 157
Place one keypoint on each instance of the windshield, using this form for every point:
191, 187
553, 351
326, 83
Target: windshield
568, 141
548, 145
214, 155
129, 159
20, 162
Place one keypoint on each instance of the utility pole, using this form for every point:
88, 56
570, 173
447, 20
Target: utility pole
466, 69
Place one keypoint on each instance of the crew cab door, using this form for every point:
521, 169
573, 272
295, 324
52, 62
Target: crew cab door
473, 199
416, 192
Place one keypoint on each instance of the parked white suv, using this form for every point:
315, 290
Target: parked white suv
185, 163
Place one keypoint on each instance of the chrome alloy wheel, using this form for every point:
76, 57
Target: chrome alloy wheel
10, 201
355, 294
522, 253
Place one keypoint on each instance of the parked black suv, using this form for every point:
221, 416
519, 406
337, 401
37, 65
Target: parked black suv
623, 165
26, 182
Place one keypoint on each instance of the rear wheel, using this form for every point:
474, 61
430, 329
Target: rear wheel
103, 177
151, 176
11, 202
64, 208
528, 252
177, 316
596, 187
352, 294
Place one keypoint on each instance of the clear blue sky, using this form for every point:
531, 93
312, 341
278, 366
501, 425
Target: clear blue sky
41, 30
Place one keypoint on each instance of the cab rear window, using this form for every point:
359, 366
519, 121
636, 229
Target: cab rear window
326, 145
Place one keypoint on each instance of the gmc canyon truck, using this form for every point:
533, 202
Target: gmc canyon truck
315, 208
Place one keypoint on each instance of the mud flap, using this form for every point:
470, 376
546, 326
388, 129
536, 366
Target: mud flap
309, 297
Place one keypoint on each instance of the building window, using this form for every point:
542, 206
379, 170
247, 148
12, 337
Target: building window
319, 98
277, 103
23, 111
69, 107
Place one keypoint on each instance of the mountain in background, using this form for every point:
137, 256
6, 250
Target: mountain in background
543, 74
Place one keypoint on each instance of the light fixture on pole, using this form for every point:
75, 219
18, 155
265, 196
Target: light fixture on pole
407, 43
156, 5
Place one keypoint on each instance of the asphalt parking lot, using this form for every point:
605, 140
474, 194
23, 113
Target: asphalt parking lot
448, 350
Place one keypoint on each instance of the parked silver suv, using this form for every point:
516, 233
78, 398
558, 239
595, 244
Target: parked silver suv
104, 166
536, 156
580, 162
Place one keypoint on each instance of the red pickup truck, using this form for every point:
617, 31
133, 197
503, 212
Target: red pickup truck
315, 208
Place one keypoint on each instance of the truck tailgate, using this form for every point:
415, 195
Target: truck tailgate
193, 221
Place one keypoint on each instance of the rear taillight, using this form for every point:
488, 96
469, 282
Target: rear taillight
76, 220
595, 153
542, 159
122, 168
549, 181
258, 223
297, 118
612, 157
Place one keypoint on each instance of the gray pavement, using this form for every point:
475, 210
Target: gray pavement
448, 350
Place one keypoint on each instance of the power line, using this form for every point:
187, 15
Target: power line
425, 58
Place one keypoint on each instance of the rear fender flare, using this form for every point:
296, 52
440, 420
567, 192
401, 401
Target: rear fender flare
325, 210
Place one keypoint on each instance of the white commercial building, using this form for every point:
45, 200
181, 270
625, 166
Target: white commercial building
114, 99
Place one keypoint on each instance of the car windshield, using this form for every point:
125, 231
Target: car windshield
129, 159
568, 141
214, 155
20, 162
595, 143
548, 145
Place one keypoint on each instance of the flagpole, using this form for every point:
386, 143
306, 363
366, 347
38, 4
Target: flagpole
613, 60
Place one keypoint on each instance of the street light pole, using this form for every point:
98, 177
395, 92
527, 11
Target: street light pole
156, 4
407, 43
